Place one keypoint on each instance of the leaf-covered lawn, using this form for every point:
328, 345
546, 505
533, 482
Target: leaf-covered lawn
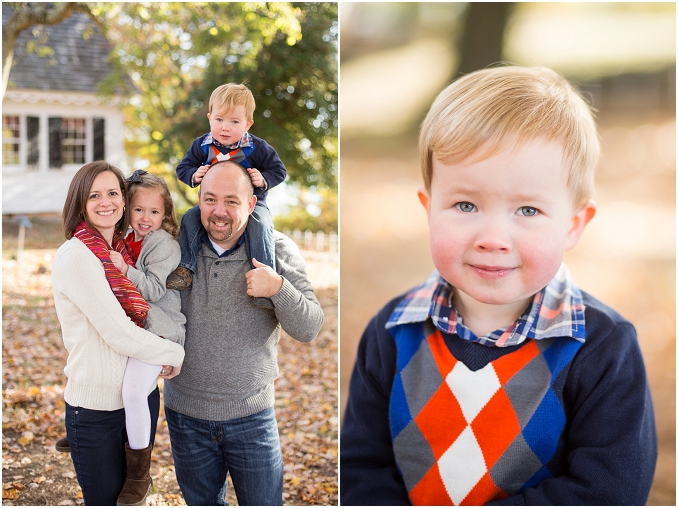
33, 357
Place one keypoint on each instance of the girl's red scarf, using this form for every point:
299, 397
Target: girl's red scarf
127, 294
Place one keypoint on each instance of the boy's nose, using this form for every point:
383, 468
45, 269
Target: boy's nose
493, 237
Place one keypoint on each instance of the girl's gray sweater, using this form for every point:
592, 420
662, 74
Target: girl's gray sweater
160, 255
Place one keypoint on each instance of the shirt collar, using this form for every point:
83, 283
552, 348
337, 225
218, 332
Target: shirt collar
555, 311
245, 141
206, 239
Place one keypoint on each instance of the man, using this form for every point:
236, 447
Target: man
219, 409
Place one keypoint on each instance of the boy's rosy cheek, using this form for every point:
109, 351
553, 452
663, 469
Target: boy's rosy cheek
542, 261
444, 252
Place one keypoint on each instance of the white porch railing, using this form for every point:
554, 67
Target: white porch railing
318, 240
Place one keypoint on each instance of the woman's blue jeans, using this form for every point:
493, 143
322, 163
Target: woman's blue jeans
97, 440
248, 449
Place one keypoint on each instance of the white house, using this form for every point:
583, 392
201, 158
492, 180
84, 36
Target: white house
53, 120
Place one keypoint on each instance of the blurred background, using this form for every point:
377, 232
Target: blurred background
396, 57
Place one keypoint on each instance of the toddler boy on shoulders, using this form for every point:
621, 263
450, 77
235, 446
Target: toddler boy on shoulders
231, 110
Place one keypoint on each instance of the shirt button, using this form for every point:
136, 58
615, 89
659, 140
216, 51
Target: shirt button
215, 275
216, 262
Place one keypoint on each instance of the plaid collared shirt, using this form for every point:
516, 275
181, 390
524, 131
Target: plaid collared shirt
245, 141
555, 311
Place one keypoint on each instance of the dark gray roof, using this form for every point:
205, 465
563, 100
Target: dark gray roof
78, 64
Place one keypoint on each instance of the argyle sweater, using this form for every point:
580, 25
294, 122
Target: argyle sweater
433, 418
259, 155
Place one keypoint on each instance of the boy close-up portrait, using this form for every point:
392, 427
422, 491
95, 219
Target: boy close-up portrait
508, 373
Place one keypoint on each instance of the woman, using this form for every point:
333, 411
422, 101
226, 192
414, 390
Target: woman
101, 315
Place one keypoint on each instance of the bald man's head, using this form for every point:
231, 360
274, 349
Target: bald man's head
226, 202
223, 165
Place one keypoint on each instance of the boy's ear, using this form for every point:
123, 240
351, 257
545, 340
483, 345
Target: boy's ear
579, 222
250, 123
424, 199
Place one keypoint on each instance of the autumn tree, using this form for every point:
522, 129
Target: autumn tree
176, 54
294, 79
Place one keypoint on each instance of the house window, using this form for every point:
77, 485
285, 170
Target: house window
66, 142
74, 140
11, 140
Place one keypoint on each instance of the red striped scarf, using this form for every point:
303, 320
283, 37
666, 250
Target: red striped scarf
127, 294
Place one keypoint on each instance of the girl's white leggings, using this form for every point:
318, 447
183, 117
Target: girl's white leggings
139, 377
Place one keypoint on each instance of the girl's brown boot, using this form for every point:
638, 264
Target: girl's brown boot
138, 482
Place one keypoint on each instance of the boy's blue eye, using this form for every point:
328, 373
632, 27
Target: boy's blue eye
466, 207
527, 211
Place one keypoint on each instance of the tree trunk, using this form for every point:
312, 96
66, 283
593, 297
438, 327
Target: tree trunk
483, 39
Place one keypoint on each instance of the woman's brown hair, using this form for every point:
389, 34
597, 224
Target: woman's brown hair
78, 193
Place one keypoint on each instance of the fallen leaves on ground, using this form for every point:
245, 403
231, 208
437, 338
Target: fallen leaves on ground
33, 357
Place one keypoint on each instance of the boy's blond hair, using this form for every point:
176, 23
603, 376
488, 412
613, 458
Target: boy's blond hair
493, 109
231, 95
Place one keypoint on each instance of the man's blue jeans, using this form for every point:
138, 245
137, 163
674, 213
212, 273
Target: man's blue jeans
97, 440
246, 448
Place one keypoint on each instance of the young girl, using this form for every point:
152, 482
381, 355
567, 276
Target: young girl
153, 245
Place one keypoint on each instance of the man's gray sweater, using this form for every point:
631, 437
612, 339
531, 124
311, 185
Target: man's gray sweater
231, 357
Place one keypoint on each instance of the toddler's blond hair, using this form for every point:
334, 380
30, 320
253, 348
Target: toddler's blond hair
231, 95
494, 109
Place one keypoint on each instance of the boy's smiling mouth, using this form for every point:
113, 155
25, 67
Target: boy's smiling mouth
491, 272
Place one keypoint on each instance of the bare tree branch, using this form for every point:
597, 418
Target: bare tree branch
28, 14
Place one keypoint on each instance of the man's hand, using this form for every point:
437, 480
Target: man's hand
199, 174
262, 281
256, 177
118, 261
168, 372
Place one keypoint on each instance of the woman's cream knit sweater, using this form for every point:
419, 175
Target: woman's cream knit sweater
97, 333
